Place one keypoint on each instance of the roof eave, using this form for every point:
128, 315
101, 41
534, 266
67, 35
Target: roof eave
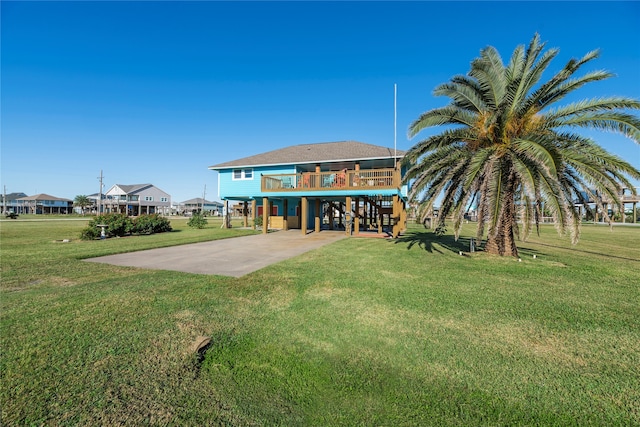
358, 159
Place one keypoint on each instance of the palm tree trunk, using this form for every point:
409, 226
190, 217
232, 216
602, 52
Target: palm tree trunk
501, 240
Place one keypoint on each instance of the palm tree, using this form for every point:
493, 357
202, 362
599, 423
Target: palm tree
82, 202
508, 152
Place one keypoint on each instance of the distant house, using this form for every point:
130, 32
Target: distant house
135, 200
199, 204
10, 202
44, 204
350, 185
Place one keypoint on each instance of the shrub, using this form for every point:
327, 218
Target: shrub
197, 221
258, 221
121, 225
90, 233
149, 224
116, 225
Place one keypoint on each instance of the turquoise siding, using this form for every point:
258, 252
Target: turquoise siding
247, 188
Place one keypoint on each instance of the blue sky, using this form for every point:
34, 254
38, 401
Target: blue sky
155, 92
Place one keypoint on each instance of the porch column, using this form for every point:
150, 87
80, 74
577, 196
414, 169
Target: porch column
347, 215
317, 224
356, 216
403, 216
365, 212
225, 215
265, 215
303, 215
396, 216
245, 214
253, 214
285, 215
633, 212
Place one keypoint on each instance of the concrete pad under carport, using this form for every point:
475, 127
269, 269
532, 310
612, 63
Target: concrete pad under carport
233, 257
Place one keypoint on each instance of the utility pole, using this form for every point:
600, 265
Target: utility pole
204, 197
100, 192
4, 200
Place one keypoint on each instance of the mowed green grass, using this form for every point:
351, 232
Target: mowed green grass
359, 332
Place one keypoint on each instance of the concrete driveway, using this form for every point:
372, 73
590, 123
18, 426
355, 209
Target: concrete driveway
227, 257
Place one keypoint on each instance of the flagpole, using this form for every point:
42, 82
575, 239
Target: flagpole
395, 116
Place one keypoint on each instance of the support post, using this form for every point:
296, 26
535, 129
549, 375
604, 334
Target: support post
317, 216
285, 215
265, 215
303, 215
225, 215
245, 214
347, 216
253, 214
356, 216
396, 216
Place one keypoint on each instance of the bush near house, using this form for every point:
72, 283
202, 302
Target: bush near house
150, 224
197, 220
119, 225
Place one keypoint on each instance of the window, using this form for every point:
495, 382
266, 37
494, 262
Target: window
239, 174
148, 198
164, 199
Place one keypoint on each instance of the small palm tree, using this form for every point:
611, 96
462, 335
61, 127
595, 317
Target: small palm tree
82, 202
507, 151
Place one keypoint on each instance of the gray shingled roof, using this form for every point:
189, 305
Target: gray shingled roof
132, 189
198, 201
315, 153
43, 196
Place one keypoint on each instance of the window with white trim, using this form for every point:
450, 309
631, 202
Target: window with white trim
164, 199
148, 198
239, 174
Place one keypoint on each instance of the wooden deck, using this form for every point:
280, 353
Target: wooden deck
371, 179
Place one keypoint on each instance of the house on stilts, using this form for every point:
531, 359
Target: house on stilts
348, 185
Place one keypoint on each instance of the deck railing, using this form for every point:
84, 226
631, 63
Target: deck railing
362, 179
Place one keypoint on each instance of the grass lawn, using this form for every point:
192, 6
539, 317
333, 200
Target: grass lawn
360, 332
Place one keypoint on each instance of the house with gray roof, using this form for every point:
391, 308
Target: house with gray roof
199, 204
347, 185
136, 199
10, 202
44, 204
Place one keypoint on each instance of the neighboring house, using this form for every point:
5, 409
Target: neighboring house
199, 204
350, 185
135, 200
10, 202
44, 204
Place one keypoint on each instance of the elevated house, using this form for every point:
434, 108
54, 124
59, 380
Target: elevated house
44, 204
334, 185
136, 199
10, 202
200, 205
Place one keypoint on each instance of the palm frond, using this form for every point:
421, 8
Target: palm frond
449, 115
